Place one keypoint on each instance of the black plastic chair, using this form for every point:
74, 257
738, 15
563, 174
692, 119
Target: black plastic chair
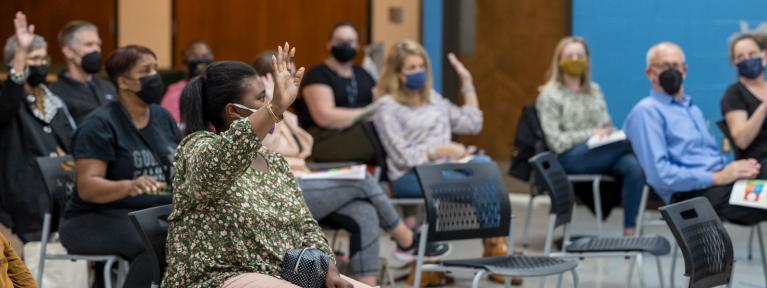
560, 191
469, 201
706, 246
59, 177
152, 225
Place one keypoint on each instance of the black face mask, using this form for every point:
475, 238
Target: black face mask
152, 89
37, 74
343, 52
91, 62
671, 81
197, 66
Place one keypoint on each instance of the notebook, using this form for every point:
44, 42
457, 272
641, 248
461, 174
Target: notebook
748, 193
615, 136
356, 172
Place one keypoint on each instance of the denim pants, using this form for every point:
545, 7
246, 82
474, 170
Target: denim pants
613, 159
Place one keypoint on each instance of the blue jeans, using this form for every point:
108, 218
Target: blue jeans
407, 186
612, 159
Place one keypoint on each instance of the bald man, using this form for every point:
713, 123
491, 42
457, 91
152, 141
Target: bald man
675, 149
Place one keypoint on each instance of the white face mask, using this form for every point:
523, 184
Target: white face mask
238, 105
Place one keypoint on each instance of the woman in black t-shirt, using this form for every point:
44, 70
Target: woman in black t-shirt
743, 104
123, 154
333, 96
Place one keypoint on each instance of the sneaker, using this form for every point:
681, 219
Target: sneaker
434, 250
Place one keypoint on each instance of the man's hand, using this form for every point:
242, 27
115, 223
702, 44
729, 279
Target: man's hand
741, 169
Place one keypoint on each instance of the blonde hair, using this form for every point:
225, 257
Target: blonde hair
389, 83
555, 73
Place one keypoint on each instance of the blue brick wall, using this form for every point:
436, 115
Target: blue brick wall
619, 33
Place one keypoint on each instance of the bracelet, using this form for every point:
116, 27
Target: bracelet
275, 118
467, 88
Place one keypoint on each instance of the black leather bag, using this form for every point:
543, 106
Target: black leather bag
305, 267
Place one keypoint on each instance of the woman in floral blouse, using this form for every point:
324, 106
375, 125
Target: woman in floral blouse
571, 109
237, 208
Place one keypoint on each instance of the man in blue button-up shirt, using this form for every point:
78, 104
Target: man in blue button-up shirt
672, 142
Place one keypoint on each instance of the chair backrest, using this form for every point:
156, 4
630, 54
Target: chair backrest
705, 244
152, 226
58, 174
559, 188
722, 124
464, 201
59, 179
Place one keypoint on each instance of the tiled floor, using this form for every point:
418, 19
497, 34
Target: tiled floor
600, 273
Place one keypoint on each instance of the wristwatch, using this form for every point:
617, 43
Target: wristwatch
19, 78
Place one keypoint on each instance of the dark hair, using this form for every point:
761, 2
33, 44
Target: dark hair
205, 96
67, 34
759, 39
263, 63
189, 46
342, 24
124, 58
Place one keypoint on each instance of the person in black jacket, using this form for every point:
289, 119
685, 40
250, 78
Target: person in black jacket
78, 85
33, 123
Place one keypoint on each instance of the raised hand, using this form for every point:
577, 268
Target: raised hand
461, 70
24, 32
285, 83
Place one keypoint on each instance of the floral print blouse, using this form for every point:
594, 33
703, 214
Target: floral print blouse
228, 218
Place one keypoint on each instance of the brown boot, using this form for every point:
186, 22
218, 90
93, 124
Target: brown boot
429, 278
496, 246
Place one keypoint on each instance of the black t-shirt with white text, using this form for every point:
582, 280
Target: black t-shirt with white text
109, 135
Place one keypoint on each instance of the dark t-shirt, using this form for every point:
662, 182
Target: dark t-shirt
83, 98
109, 135
737, 97
344, 90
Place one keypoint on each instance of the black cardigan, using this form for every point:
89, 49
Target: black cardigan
24, 137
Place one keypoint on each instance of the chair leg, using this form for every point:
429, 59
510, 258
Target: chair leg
631, 271
43, 248
761, 250
642, 211
123, 267
639, 270
477, 278
751, 243
108, 273
528, 216
675, 252
660, 271
575, 278
559, 280
597, 203
421, 255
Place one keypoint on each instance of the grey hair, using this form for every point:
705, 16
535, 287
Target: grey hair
654, 49
67, 34
10, 47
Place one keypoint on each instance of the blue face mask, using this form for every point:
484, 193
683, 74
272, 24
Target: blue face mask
751, 68
415, 81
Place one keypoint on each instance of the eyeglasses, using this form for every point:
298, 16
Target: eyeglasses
39, 60
669, 65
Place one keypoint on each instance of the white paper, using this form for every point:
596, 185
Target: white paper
596, 141
356, 172
749, 193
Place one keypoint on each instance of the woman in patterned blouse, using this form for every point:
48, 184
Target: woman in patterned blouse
571, 109
237, 208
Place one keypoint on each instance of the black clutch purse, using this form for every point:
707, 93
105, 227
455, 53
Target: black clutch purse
305, 267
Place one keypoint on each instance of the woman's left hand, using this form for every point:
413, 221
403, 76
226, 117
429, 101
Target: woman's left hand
461, 70
333, 278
